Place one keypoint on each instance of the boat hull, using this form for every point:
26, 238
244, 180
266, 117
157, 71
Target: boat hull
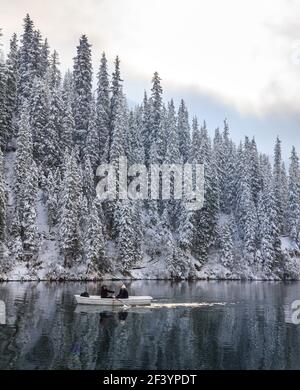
96, 300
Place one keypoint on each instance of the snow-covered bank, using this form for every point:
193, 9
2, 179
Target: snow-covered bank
52, 269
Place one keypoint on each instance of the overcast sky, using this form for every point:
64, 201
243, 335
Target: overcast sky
234, 59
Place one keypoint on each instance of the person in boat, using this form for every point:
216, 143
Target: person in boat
104, 292
123, 294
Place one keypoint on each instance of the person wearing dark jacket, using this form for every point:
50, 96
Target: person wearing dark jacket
104, 292
123, 294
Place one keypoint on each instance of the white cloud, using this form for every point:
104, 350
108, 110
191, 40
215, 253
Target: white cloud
243, 52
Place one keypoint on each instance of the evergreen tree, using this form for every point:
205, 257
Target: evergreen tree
92, 147
39, 117
3, 108
53, 186
67, 87
96, 258
44, 59
37, 45
27, 71
67, 127
70, 235
186, 230
226, 244
277, 171
256, 180
24, 156
294, 197
155, 110
116, 113
134, 144
126, 239
88, 181
12, 70
267, 216
146, 126
103, 105
119, 131
54, 72
2, 203
29, 232
51, 152
82, 81
184, 131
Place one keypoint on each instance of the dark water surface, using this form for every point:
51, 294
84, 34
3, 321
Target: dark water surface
243, 325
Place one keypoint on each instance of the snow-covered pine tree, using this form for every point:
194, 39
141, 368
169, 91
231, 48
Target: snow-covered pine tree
246, 215
3, 102
126, 245
82, 83
255, 175
227, 171
2, 204
37, 47
27, 71
88, 181
205, 219
67, 126
51, 151
173, 156
146, 125
70, 237
186, 230
12, 69
183, 131
54, 73
44, 59
92, 145
220, 160
39, 116
277, 173
196, 141
24, 155
161, 137
285, 196
294, 198
134, 144
103, 105
53, 186
29, 233
226, 244
248, 220
155, 110
95, 251
270, 246
119, 130
67, 87
14, 240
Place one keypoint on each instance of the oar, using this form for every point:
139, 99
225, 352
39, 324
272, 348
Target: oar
120, 300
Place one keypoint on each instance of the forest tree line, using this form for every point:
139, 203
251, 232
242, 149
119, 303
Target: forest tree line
59, 129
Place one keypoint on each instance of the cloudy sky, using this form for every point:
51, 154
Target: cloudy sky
234, 59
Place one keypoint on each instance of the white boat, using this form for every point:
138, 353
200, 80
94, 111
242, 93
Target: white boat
130, 301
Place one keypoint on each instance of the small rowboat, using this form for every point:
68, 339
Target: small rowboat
130, 301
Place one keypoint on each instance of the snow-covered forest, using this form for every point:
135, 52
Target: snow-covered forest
55, 129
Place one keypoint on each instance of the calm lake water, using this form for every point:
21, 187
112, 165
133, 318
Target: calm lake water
240, 325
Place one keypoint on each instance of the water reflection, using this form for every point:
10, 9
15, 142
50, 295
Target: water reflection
2, 313
226, 325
